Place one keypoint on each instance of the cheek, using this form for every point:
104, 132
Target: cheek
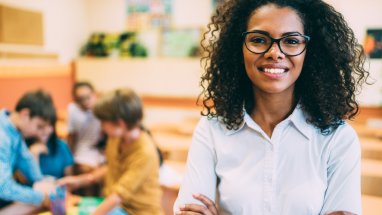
298, 61
250, 60
112, 131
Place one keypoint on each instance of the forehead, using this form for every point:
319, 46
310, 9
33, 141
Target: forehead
275, 20
107, 123
83, 90
40, 120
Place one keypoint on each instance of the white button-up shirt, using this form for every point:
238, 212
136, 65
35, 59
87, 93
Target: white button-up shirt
298, 171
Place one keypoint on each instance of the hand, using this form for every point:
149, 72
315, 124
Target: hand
46, 202
71, 182
38, 148
341, 213
194, 209
44, 187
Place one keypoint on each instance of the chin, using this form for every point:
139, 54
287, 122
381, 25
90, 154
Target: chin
273, 90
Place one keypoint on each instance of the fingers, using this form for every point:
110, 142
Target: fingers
187, 213
208, 202
61, 182
193, 209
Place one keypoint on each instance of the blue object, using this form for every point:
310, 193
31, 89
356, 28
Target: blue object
58, 201
54, 165
117, 211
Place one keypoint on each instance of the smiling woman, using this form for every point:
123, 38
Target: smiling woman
282, 76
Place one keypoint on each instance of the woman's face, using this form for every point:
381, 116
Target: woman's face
277, 22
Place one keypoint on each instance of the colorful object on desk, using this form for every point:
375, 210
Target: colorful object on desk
58, 201
88, 205
69, 211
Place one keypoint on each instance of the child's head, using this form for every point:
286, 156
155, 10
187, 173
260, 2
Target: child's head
36, 112
49, 131
119, 111
47, 135
84, 95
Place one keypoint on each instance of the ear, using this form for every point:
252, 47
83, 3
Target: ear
25, 113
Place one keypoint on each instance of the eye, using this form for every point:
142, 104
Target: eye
258, 40
292, 41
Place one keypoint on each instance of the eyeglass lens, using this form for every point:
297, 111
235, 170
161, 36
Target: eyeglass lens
291, 45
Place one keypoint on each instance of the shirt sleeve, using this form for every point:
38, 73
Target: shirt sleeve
200, 173
9, 189
27, 164
343, 191
137, 172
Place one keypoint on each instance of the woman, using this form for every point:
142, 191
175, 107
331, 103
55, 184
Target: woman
52, 153
281, 77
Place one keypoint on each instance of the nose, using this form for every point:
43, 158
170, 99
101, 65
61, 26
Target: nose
274, 52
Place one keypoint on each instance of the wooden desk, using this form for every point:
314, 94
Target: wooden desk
371, 148
366, 131
174, 146
371, 205
171, 193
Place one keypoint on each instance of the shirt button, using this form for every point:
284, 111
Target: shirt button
267, 207
271, 147
269, 178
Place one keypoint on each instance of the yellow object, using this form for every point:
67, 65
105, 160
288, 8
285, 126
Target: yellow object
70, 211
133, 175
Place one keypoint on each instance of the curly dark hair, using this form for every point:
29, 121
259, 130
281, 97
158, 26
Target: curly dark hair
332, 74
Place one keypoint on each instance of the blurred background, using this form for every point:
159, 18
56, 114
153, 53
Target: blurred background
152, 46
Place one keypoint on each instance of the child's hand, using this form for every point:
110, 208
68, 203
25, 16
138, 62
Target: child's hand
194, 209
38, 148
71, 182
45, 187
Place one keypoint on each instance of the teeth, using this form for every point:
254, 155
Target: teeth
274, 70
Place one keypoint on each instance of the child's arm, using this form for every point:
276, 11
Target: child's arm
11, 191
27, 164
108, 205
84, 180
36, 149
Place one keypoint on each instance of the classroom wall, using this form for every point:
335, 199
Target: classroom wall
17, 79
108, 16
360, 16
65, 26
168, 77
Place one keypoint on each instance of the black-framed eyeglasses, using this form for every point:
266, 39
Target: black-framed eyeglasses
291, 45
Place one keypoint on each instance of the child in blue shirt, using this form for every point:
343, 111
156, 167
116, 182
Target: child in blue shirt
52, 153
32, 114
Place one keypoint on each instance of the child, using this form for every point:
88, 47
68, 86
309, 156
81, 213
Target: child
51, 153
33, 113
131, 175
84, 129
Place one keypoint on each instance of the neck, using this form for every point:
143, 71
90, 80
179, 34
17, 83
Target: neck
272, 108
14, 117
131, 136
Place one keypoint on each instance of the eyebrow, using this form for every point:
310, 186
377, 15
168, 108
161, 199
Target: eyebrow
284, 34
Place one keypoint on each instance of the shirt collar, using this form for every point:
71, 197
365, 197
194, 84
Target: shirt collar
297, 118
6, 124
